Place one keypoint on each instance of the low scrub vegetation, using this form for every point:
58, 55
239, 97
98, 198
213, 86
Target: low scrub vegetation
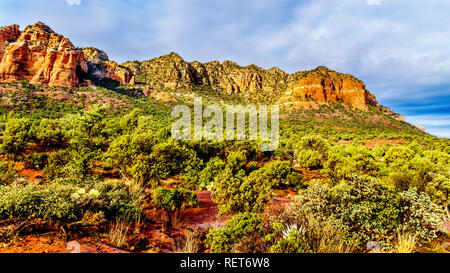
62, 161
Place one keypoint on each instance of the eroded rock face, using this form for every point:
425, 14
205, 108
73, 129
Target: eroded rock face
7, 35
324, 85
171, 71
101, 67
43, 57
321, 84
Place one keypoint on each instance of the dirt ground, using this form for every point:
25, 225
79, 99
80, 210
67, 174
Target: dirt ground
151, 237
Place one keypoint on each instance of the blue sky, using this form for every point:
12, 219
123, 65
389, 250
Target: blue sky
399, 48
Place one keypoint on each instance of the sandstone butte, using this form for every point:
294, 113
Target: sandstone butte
42, 56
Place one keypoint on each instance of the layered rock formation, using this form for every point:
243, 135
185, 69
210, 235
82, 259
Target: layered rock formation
42, 56
7, 35
101, 67
321, 84
171, 71
324, 85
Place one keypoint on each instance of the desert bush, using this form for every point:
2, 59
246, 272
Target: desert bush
142, 158
420, 215
207, 176
439, 189
49, 132
314, 142
236, 161
309, 159
172, 202
312, 152
68, 201
239, 228
370, 210
69, 163
7, 172
402, 180
241, 193
28, 201
398, 156
116, 198
16, 136
346, 161
171, 158
282, 175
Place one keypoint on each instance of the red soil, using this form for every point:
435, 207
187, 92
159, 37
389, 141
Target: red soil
49, 243
380, 142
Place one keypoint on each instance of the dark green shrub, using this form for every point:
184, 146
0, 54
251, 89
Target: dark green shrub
173, 201
282, 175
241, 193
118, 199
207, 176
241, 226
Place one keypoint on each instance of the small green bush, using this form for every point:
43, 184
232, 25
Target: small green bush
241, 193
224, 240
309, 159
7, 172
173, 201
282, 175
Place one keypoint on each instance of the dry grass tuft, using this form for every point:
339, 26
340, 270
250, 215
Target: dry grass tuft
328, 237
191, 243
118, 232
406, 242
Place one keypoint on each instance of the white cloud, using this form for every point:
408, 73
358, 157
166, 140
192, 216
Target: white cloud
430, 120
373, 2
435, 124
73, 2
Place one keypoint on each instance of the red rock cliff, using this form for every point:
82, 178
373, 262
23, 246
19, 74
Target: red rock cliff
324, 85
7, 34
43, 57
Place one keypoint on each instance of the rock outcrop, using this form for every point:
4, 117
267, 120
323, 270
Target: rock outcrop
324, 85
171, 71
99, 66
40, 55
7, 35
43, 57
321, 84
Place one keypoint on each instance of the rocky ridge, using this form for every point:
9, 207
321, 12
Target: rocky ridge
320, 85
40, 55
99, 66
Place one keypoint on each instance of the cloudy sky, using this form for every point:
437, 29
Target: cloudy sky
399, 48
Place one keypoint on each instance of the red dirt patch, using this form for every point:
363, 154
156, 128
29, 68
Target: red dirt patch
206, 215
51, 244
380, 142
33, 175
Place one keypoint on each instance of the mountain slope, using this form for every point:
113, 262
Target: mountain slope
40, 55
